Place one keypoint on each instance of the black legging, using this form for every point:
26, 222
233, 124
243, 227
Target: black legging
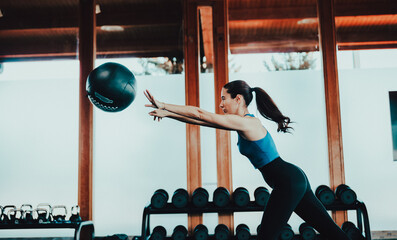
292, 193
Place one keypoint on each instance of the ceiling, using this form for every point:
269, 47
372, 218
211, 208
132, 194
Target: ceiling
43, 29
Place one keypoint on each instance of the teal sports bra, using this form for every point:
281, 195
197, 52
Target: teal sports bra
259, 152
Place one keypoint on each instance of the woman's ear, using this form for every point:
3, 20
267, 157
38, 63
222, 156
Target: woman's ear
239, 98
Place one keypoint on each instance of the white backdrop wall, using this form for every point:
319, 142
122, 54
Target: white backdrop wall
134, 156
367, 142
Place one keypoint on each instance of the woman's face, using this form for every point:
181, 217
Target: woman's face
228, 104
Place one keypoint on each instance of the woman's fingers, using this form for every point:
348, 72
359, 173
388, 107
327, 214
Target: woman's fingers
150, 95
146, 95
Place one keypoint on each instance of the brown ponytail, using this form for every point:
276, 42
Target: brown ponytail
266, 107
269, 110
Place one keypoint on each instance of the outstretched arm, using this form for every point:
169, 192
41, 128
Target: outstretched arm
159, 113
232, 122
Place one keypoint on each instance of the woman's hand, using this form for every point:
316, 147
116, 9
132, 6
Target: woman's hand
159, 114
154, 103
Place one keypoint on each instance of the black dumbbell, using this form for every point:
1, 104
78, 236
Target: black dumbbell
243, 232
241, 197
325, 195
159, 198
180, 198
179, 233
44, 216
200, 232
200, 197
222, 232
307, 232
221, 197
75, 214
27, 213
287, 233
261, 196
345, 194
352, 231
159, 233
59, 216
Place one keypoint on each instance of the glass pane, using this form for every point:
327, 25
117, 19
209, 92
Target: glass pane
39, 80
133, 155
367, 70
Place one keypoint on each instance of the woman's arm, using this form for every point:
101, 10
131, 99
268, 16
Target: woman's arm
159, 113
232, 122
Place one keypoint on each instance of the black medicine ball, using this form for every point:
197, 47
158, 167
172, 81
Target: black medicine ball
111, 87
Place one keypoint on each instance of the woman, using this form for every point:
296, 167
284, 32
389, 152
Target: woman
291, 190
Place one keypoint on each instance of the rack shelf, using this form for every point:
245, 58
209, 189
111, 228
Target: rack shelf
358, 206
83, 230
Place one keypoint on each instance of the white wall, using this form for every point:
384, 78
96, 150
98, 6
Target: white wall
134, 156
367, 142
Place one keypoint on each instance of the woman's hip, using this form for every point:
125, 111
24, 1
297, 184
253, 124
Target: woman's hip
281, 173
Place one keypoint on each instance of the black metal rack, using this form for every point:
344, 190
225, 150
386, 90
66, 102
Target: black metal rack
358, 206
83, 230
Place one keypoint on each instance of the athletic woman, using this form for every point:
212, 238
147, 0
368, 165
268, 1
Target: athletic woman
291, 189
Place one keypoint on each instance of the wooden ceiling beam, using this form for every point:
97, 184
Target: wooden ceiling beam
342, 37
271, 13
68, 18
311, 11
274, 46
73, 55
367, 45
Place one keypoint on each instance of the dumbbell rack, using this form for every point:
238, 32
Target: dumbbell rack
78, 226
361, 210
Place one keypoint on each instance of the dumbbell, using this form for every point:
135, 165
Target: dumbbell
159, 198
261, 196
352, 231
5, 218
287, 233
307, 232
27, 213
159, 233
180, 198
221, 197
179, 233
222, 232
75, 214
325, 195
59, 217
200, 197
243, 232
200, 232
241, 197
345, 194
44, 216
